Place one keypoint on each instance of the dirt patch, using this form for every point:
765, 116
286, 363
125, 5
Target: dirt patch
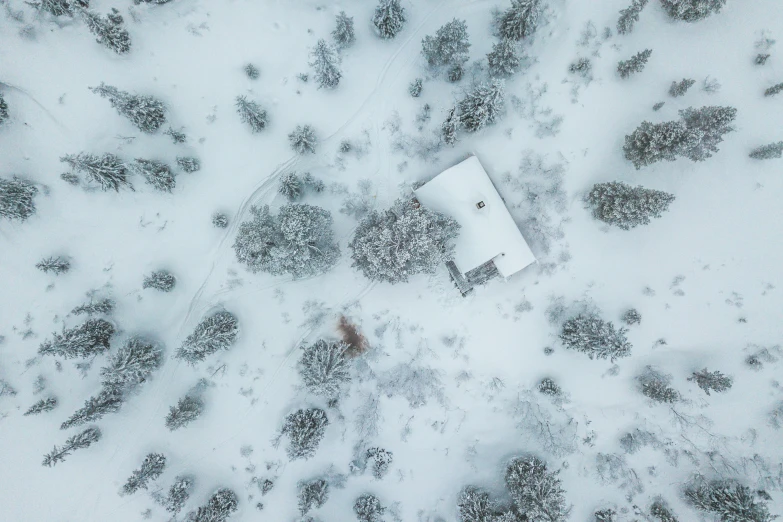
350, 334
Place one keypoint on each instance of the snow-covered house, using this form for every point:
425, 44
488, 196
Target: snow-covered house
490, 243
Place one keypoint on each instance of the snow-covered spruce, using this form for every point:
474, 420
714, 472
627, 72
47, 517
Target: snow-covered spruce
89, 338
654, 142
549, 387
381, 461
107, 170
678, 89
217, 332
55, 264
629, 16
711, 381
588, 333
482, 106
151, 468
188, 164
3, 109
131, 365
771, 151
109, 31
155, 173
537, 493
219, 220
324, 367
414, 88
147, 113
761, 58
449, 127
100, 307
582, 66
290, 186
107, 401
60, 7
326, 63
727, 499
304, 429
661, 511
176, 136
605, 515
312, 183
626, 207
343, 33
403, 241
303, 139
520, 20
455, 73
79, 441
504, 60
47, 404
449, 46
17, 198
474, 505
635, 64
251, 71
161, 280
298, 241
178, 495
188, 409
631, 316
251, 113
692, 10
774, 90
155, 2
389, 18
706, 128
655, 385
312, 495
368, 508
218, 508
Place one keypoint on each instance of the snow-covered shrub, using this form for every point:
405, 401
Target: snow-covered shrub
219, 220
343, 33
661, 511
218, 508
655, 385
368, 508
60, 7
381, 461
312, 183
178, 495
303, 139
520, 20
151, 468
147, 113
711, 381
629, 16
582, 67
17, 198
189, 164
474, 505
537, 493
55, 264
326, 62
775, 89
107, 401
605, 515
252, 113
3, 109
706, 127
155, 173
455, 73
449, 127
729, 500
290, 186
389, 18
658, 105
312, 495
626, 207
635, 64
110, 31
298, 241
324, 367
449, 46
100, 307
692, 10
549, 387
631, 316
590, 334
482, 106
678, 89
217, 332
161, 280
251, 71
504, 59
176, 136
131, 365
43, 405
304, 429
761, 58
654, 142
107, 170
414, 89
79, 441
89, 338
771, 151
405, 240
188, 409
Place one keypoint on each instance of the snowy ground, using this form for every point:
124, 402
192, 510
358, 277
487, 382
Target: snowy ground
713, 262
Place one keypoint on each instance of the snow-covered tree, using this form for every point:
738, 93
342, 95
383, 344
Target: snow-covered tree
303, 139
711, 381
100, 307
79, 441
771, 151
474, 505
298, 241
761, 58
582, 66
219, 507
216, 332
590, 334
326, 62
634, 64
89, 338
219, 220
414, 88
728, 500
504, 60
60, 7
631, 316
131, 365
3, 109
547, 386
151, 468
107, 170
455, 73
520, 20
161, 280
692, 10
449, 46
189, 164
55, 264
324, 367
678, 89
537, 493
449, 127
661, 511
706, 127
389, 18
251, 71
179, 493
626, 207
312, 183
252, 113
47, 404
775, 89
17, 198
312, 495
107, 401
290, 186
343, 33
629, 16
381, 461
654, 142
155, 173
405, 240
482, 106
188, 409
656, 386
147, 113
304, 429
368, 508
177, 136
110, 31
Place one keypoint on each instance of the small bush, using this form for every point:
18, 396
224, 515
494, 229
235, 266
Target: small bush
252, 71
771, 151
17, 199
56, 265
678, 89
415, 87
632, 316
161, 280
219, 220
189, 163
303, 139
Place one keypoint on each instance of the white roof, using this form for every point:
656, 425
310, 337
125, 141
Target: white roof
486, 233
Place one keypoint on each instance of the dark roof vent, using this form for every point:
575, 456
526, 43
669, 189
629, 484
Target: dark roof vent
480, 205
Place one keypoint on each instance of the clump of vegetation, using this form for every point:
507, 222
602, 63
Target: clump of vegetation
771, 151
107, 170
151, 468
147, 113
415, 87
627, 207
251, 113
100, 307
629, 16
632, 316
482, 106
635, 64
252, 71
678, 89
728, 500
216, 332
549, 387
109, 31
81, 440
43, 405
775, 89
189, 164
588, 333
303, 139
55, 264
504, 60
89, 338
161, 280
219, 220
324, 367
155, 173
187, 409
218, 508
448, 47
326, 62
381, 460
3, 109
343, 34
655, 385
17, 199
711, 381
176, 136
312, 494
304, 429
520, 20
692, 10
537, 492
389, 18
368, 508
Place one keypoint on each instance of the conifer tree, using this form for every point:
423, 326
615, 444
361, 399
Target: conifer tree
415, 87
706, 128
216, 332
504, 59
660, 510
60, 7
624, 206
219, 220
17, 199
188, 409
590, 334
629, 16
179, 493
176, 136
47, 404
771, 151
220, 506
775, 89
655, 385
147, 113
155, 173
161, 280
303, 139
389, 18
100, 307
324, 367
449, 46
728, 500
381, 461
305, 429
678, 89
312, 495
634, 64
474, 505
711, 381
110, 31
108, 171
3, 109
250, 112
290, 186
55, 264
107, 401
131, 365
654, 142
189, 164
343, 33
537, 493
326, 62
368, 508
448, 129
482, 106
90, 338
79, 441
151, 468
692, 10
520, 20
